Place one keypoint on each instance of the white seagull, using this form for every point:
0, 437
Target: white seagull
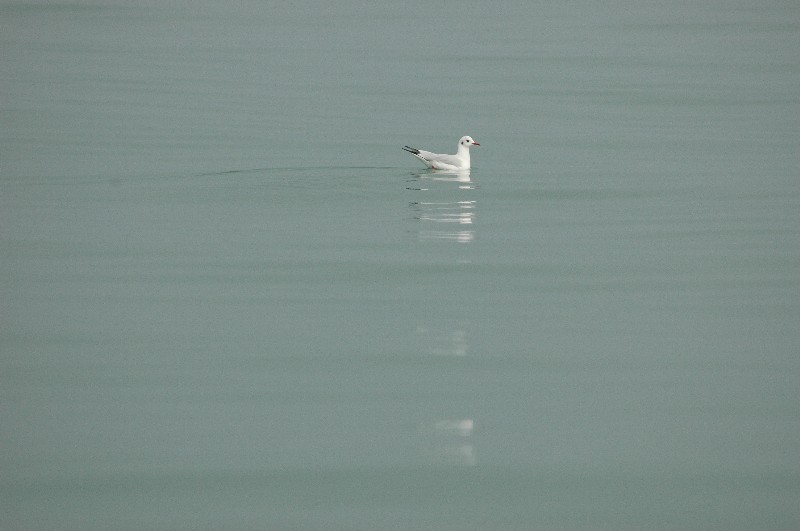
438, 161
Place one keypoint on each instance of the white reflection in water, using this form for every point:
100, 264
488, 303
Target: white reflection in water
445, 208
443, 342
448, 441
461, 427
462, 236
436, 212
462, 177
458, 212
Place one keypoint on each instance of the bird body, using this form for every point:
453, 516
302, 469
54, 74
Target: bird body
440, 161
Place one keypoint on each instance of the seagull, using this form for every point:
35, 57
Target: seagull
438, 161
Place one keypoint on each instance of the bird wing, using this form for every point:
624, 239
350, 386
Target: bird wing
449, 160
437, 161
417, 153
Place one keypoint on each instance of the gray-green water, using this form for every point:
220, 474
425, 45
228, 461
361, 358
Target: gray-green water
229, 299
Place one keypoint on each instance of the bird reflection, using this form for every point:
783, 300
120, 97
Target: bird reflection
463, 177
437, 211
444, 208
443, 342
449, 441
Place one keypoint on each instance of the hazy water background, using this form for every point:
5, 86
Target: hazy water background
230, 300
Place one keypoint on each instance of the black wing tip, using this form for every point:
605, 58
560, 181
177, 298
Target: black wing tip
411, 150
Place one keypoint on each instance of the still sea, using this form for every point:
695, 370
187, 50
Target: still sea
229, 300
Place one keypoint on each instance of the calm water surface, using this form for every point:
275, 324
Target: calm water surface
231, 301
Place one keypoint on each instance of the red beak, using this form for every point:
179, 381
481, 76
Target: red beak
475, 143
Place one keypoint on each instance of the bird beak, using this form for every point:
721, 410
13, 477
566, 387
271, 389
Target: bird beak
475, 143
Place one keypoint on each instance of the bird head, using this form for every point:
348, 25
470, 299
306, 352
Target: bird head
467, 142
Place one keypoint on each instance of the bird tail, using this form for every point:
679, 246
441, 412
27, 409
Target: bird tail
411, 150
